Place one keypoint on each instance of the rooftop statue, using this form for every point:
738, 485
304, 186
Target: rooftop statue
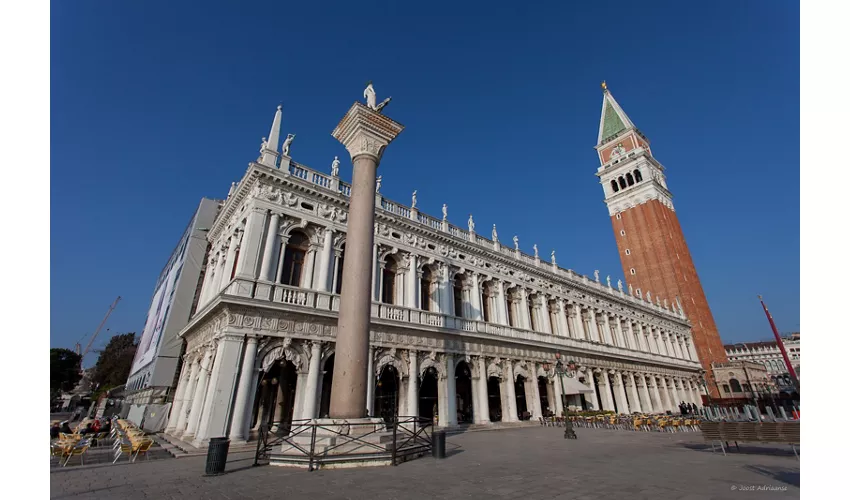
471, 224
287, 143
369, 95
516, 243
536, 256
335, 167
413, 204
494, 234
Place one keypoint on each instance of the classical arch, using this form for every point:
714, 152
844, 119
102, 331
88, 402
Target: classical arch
390, 359
437, 364
495, 370
520, 370
282, 349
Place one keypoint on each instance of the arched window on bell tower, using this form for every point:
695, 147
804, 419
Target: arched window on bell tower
638, 176
614, 185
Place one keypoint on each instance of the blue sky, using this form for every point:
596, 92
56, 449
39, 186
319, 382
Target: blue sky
155, 105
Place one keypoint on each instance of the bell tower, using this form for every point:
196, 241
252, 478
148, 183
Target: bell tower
652, 247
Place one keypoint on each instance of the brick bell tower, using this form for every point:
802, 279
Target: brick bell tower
655, 257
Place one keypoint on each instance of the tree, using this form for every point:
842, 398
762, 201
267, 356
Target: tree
64, 370
114, 363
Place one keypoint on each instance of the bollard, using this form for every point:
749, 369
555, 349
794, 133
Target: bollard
438, 446
782, 413
217, 456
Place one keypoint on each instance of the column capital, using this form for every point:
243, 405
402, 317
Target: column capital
364, 131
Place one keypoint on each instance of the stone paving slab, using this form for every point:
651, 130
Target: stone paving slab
527, 463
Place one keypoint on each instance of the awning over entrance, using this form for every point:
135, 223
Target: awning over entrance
573, 386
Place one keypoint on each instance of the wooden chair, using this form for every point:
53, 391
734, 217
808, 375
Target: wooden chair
79, 450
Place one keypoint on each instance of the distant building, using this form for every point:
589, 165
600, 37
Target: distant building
152, 375
743, 379
769, 355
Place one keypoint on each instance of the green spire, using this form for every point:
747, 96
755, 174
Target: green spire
611, 122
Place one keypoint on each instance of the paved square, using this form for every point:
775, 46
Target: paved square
527, 463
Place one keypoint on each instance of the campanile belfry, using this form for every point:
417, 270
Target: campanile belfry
655, 257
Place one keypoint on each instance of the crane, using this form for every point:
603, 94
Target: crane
94, 335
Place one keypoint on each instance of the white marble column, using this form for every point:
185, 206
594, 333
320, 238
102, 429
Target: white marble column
665, 394
594, 325
607, 394
323, 283
511, 410
544, 313
270, 250
483, 399
657, 401
558, 403
448, 414
311, 395
674, 392
308, 275
644, 340
618, 329
634, 399
607, 336
523, 316
413, 384
645, 399
590, 377
620, 394
370, 383
249, 248
502, 303
301, 394
179, 397
188, 396
563, 328
227, 265
199, 393
579, 321
376, 274
475, 298
244, 394
537, 410
474, 386
412, 282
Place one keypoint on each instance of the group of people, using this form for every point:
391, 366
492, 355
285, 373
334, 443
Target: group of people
687, 408
95, 426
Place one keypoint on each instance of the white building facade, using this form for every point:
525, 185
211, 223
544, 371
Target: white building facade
769, 355
464, 328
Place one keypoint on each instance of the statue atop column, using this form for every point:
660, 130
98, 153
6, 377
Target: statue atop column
335, 167
516, 243
494, 234
369, 95
287, 143
620, 286
413, 203
536, 256
445, 211
471, 224
596, 275
608, 279
378, 184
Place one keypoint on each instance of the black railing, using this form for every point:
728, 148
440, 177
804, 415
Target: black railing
410, 436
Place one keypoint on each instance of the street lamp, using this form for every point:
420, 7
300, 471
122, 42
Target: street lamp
570, 371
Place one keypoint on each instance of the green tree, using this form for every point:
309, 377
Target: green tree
114, 363
64, 370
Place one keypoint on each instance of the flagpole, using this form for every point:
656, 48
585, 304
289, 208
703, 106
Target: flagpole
791, 371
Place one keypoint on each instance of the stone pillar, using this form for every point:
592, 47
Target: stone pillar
370, 385
618, 327
579, 320
270, 250
501, 304
182, 418
413, 282
544, 313
365, 134
620, 394
199, 393
607, 336
483, 399
448, 411
245, 394
559, 404
413, 384
227, 264
593, 400
594, 325
645, 399
607, 394
524, 317
665, 394
446, 291
301, 395
476, 387
325, 262
674, 393
634, 399
376, 279
657, 401
218, 405
311, 395
563, 328
537, 410
249, 248
177, 405
475, 298
511, 410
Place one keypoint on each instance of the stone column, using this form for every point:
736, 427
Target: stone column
563, 328
245, 392
594, 325
370, 383
475, 298
376, 279
448, 416
594, 398
365, 134
511, 410
607, 394
475, 387
544, 313
558, 403
309, 273
483, 399
579, 321
188, 395
413, 282
674, 392
199, 393
624, 341
500, 302
645, 399
270, 250
218, 404
657, 401
227, 264
413, 384
446, 291
249, 248
325, 262
665, 394
607, 336
177, 405
634, 399
310, 393
620, 394
524, 317
537, 410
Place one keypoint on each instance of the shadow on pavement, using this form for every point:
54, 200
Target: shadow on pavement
782, 474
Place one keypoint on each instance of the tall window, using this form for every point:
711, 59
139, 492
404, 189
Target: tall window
425, 288
532, 319
293, 259
458, 296
485, 307
638, 176
614, 186
388, 276
736, 386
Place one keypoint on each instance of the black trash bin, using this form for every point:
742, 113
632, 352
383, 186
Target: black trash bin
438, 445
217, 456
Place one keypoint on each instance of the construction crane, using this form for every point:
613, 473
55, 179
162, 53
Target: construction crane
94, 335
